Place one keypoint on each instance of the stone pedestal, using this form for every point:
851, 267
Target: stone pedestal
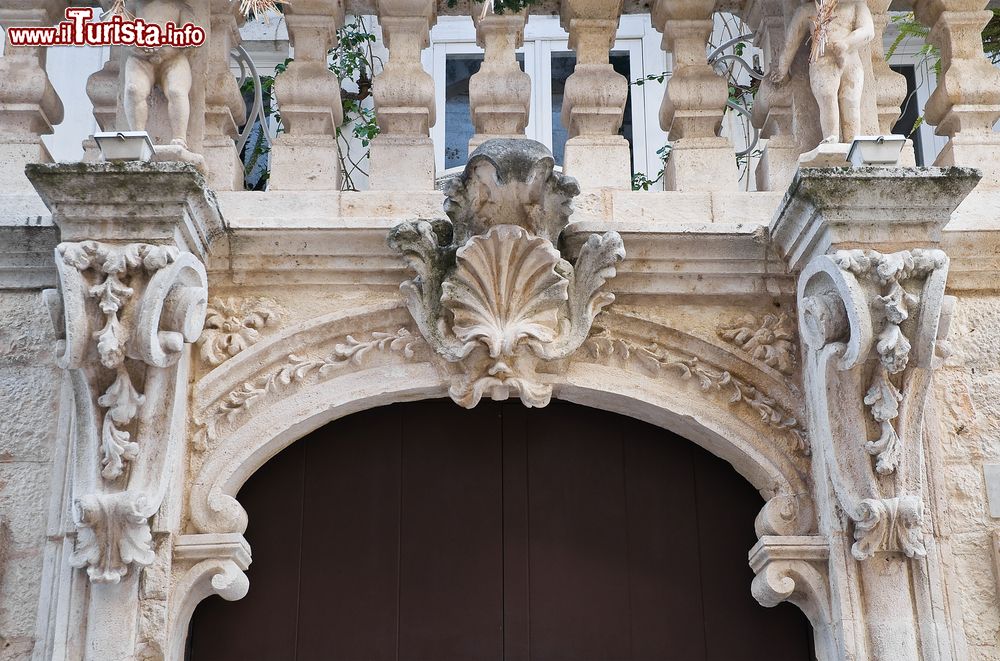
695, 101
412, 159
772, 110
104, 92
700, 164
304, 156
224, 107
594, 98
402, 155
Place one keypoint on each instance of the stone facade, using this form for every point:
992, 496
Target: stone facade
834, 339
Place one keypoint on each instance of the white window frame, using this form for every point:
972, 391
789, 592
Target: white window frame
544, 36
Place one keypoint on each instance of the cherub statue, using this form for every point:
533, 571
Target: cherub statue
840, 28
166, 65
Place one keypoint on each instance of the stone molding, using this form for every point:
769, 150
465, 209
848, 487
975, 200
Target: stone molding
303, 376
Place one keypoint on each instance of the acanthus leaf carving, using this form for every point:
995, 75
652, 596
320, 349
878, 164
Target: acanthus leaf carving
123, 314
492, 294
112, 533
889, 525
122, 401
871, 323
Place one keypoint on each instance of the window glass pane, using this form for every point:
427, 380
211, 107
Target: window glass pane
909, 110
562, 67
458, 127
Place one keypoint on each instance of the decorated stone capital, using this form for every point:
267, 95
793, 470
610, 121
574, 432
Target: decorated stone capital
871, 323
123, 315
493, 294
131, 298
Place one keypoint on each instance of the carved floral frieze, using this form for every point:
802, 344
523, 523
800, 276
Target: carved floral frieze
233, 325
493, 294
655, 360
295, 370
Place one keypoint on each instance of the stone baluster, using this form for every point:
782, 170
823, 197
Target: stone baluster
402, 155
695, 101
29, 105
499, 93
304, 156
103, 89
594, 98
224, 107
890, 87
966, 103
772, 110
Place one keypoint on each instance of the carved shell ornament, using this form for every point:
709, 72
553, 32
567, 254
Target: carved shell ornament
493, 295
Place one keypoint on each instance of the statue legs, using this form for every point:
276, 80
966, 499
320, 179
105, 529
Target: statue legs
139, 76
824, 79
175, 80
851, 85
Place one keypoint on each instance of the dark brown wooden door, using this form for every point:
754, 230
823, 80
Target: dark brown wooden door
425, 532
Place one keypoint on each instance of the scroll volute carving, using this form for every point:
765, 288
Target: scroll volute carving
871, 325
123, 314
493, 294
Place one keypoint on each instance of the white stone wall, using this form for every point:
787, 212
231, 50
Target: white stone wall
29, 401
968, 389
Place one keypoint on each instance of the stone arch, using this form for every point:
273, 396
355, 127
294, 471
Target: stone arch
269, 396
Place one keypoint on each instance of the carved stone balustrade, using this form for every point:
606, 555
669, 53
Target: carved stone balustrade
132, 295
695, 101
304, 155
772, 109
594, 97
103, 87
224, 107
872, 316
402, 155
29, 105
966, 102
499, 93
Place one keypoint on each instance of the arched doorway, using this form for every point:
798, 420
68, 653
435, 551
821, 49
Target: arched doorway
426, 532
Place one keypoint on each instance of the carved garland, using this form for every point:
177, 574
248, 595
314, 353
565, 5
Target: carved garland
295, 370
655, 359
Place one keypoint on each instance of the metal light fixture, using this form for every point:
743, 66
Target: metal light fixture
124, 145
883, 150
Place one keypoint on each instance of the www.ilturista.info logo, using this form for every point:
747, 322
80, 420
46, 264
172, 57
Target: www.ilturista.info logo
78, 30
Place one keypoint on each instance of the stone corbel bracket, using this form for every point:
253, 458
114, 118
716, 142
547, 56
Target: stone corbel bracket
493, 295
871, 324
123, 314
795, 569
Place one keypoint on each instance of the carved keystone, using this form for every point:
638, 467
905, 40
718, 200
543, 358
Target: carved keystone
493, 294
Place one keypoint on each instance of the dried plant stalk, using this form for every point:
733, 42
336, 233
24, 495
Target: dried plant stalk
254, 8
118, 9
821, 24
